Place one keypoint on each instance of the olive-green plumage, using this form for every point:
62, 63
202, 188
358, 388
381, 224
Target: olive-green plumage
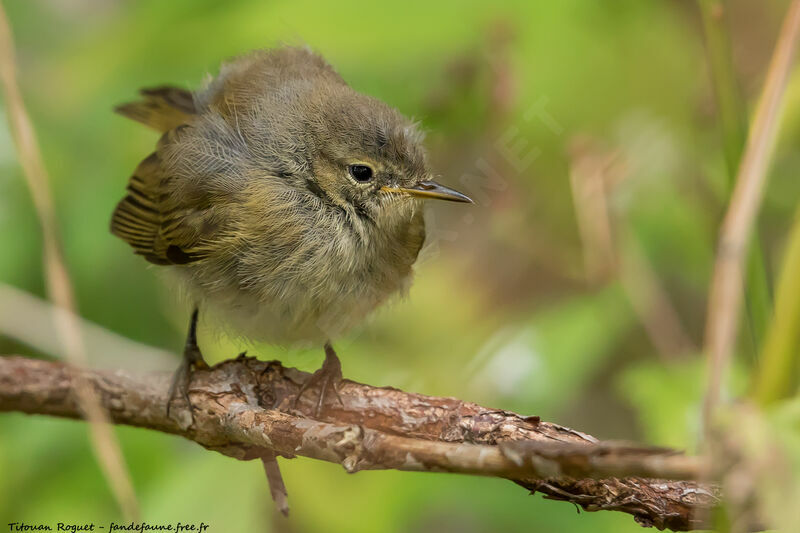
286, 202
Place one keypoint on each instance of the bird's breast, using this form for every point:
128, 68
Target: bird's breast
309, 281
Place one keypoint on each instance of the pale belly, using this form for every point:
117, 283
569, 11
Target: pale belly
292, 320
290, 312
305, 288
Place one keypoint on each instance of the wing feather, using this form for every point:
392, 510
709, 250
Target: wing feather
150, 219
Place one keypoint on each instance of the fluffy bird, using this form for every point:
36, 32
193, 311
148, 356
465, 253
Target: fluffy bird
287, 204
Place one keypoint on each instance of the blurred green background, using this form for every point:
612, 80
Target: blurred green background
574, 290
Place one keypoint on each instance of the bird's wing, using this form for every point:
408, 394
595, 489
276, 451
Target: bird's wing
158, 225
161, 108
153, 222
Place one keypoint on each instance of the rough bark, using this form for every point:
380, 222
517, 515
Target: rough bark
244, 408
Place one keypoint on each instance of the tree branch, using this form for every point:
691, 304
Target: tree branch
243, 408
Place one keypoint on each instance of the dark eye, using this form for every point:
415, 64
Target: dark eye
360, 173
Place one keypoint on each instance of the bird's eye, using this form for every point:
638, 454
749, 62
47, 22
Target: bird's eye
360, 173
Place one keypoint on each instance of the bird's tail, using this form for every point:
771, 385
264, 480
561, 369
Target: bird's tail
161, 108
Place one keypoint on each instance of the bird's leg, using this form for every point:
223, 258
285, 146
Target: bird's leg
192, 360
327, 378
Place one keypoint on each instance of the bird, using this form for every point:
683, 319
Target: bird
287, 205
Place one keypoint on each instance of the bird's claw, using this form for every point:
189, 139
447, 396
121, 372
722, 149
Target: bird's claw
327, 378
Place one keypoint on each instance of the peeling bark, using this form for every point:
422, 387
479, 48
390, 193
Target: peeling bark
243, 408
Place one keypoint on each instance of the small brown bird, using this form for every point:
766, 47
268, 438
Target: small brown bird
286, 203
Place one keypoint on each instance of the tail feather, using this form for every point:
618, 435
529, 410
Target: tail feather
162, 108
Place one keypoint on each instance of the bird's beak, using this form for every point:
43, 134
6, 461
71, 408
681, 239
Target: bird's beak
431, 189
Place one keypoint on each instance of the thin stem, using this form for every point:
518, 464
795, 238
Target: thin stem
730, 104
59, 286
733, 125
726, 288
778, 365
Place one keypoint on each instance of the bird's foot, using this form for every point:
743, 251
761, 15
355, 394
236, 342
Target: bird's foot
326, 379
179, 388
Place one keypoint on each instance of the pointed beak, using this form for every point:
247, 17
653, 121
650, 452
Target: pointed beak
431, 189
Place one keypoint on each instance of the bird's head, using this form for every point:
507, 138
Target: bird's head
368, 155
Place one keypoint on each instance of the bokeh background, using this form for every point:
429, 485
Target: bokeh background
575, 289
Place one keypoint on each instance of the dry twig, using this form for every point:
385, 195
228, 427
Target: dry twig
243, 409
